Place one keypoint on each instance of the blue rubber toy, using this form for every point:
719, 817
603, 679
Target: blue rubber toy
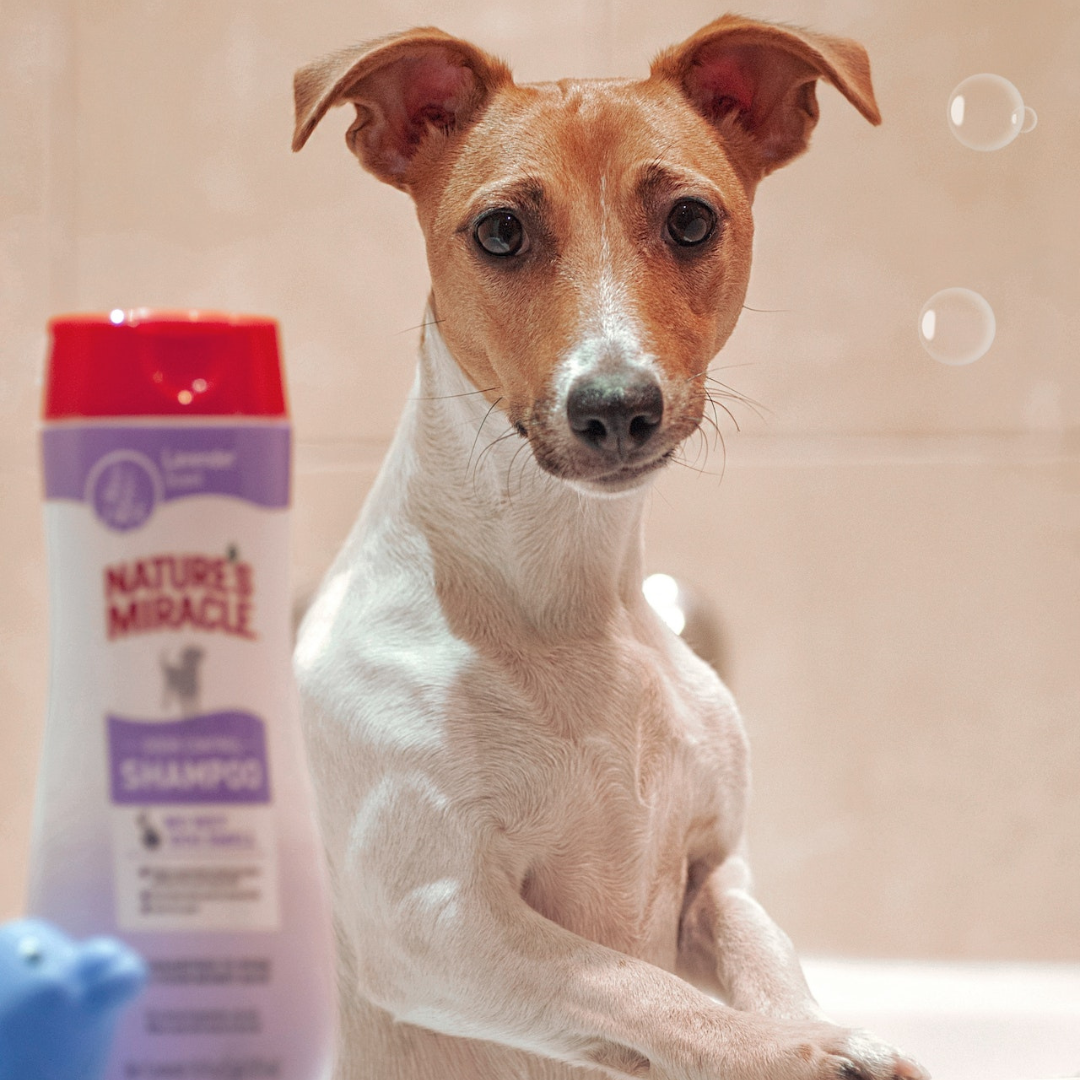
60, 1000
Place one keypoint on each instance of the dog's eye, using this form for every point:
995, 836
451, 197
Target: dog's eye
690, 223
500, 233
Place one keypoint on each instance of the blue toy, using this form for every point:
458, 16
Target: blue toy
59, 1001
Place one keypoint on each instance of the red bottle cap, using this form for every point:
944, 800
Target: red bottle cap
163, 363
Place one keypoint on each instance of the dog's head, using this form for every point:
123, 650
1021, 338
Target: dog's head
589, 241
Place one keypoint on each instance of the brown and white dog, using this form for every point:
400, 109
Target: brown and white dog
533, 794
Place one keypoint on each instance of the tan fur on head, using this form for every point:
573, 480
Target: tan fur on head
592, 168
579, 163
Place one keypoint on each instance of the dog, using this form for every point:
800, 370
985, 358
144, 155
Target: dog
181, 680
533, 794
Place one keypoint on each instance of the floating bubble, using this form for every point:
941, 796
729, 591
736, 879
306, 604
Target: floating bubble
956, 326
986, 112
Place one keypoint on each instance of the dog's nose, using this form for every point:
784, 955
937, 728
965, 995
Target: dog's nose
615, 413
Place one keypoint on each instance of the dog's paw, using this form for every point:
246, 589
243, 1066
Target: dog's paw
828, 1052
749, 1046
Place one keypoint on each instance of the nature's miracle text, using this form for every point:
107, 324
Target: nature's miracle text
178, 591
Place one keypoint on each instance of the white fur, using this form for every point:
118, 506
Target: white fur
520, 771
610, 327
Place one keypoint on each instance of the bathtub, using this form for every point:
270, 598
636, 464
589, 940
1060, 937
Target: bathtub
963, 1021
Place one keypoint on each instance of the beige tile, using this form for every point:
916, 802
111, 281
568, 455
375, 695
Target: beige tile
33, 49
23, 659
902, 639
34, 200
564, 38
331, 483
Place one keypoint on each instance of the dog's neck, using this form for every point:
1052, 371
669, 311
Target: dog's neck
508, 540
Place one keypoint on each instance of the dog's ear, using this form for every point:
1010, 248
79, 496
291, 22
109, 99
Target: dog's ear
755, 83
407, 88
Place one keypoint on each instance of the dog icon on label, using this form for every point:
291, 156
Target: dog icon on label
182, 680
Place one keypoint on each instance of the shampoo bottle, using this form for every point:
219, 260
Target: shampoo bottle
173, 806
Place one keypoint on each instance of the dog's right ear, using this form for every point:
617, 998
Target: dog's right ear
407, 88
754, 82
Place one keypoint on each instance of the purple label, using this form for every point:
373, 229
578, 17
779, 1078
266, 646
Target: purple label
124, 471
216, 758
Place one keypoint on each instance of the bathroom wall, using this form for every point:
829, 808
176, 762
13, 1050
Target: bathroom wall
891, 546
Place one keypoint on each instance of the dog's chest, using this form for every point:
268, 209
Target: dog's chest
639, 773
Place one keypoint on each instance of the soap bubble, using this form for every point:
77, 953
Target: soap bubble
986, 112
956, 326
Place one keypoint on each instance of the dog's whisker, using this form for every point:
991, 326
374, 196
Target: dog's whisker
730, 391
419, 326
474, 473
525, 473
478, 430
700, 441
450, 397
755, 407
720, 405
720, 367
692, 467
711, 443
510, 471
491, 445
523, 470
723, 454
678, 459
655, 491
714, 424
487, 450
724, 391
702, 451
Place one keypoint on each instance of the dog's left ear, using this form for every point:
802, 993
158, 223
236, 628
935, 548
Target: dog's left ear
408, 89
754, 82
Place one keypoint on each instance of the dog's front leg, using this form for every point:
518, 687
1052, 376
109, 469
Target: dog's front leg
489, 967
442, 939
470, 958
729, 945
